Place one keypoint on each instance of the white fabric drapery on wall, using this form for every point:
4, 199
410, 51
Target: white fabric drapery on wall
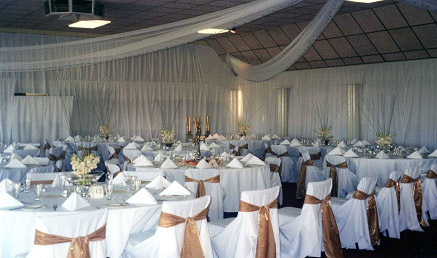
7, 87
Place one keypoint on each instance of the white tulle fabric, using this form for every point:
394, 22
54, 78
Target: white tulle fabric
301, 234
408, 214
313, 173
214, 190
292, 52
351, 218
288, 174
275, 177
388, 210
239, 238
347, 181
429, 204
168, 242
70, 225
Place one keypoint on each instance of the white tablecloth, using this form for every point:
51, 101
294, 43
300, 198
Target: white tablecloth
17, 227
256, 147
232, 180
368, 167
14, 174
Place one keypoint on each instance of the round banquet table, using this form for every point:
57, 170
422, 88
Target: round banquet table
256, 147
17, 174
368, 167
18, 225
232, 180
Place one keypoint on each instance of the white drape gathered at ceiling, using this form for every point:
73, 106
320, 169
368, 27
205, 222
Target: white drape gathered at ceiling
114, 47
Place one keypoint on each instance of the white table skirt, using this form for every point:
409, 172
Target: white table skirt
233, 181
18, 226
15, 174
368, 167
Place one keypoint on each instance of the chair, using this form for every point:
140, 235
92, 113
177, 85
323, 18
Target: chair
207, 182
169, 239
24, 153
411, 211
129, 156
288, 174
112, 153
301, 229
275, 174
146, 176
240, 149
56, 235
239, 237
357, 219
344, 181
389, 206
430, 194
57, 158
308, 173
114, 169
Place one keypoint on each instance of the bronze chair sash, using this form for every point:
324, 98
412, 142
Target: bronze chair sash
117, 150
47, 146
113, 174
300, 190
266, 245
127, 159
114, 156
284, 154
372, 214
417, 195
268, 150
238, 152
41, 182
431, 174
275, 168
201, 191
54, 158
316, 156
334, 176
330, 235
192, 246
79, 246
389, 184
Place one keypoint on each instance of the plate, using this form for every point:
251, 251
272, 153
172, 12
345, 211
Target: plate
115, 204
33, 207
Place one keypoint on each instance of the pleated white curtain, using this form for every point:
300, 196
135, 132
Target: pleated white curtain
7, 87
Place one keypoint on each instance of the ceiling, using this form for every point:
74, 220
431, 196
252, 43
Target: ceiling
359, 34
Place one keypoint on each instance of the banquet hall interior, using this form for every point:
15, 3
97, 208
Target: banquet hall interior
218, 128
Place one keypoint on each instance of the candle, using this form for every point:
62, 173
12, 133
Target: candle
207, 123
186, 123
189, 123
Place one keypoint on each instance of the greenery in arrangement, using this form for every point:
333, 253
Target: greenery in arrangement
243, 128
83, 166
104, 131
168, 136
324, 118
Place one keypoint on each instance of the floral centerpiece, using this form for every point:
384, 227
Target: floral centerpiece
324, 133
83, 166
384, 140
104, 131
243, 129
324, 117
168, 136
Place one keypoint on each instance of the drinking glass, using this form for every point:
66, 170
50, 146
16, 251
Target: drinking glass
109, 189
27, 183
16, 189
38, 192
137, 185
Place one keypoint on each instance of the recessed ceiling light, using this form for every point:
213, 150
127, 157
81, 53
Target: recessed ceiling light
212, 31
365, 1
89, 24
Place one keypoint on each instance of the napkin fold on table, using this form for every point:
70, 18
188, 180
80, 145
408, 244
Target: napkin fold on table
175, 189
17, 157
158, 182
203, 164
246, 158
75, 202
119, 179
204, 147
235, 163
366, 143
342, 144
266, 138
28, 160
350, 154
210, 137
214, 145
142, 197
69, 139
275, 137
358, 144
354, 141
336, 151
9, 149
415, 155
382, 155
146, 147
142, 161
131, 146
29, 147
159, 157
14, 163
255, 161
168, 164
6, 185
178, 148
121, 140
8, 202
285, 142
423, 150
242, 138
295, 143
433, 154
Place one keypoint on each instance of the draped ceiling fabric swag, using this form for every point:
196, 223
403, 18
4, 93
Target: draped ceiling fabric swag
128, 44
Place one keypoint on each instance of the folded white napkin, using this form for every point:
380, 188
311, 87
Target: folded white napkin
381, 155
6, 185
131, 146
203, 164
342, 144
204, 147
358, 144
77, 138
316, 144
336, 151
8, 202
146, 147
350, 154
121, 139
69, 139
247, 158
168, 163
252, 136
42, 161
75, 202
138, 139
142, 197
224, 156
434, 154
29, 147
295, 143
59, 180
366, 142
17, 157
415, 155
210, 137
28, 160
275, 137
423, 150
158, 183
255, 161
175, 189
159, 157
354, 141
14, 163
178, 148
242, 138
142, 161
285, 142
214, 145
216, 136
9, 149
266, 138
119, 179
221, 138
235, 163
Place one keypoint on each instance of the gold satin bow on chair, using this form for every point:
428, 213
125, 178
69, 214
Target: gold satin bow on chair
239, 148
47, 146
268, 150
275, 168
266, 245
334, 176
389, 184
284, 154
79, 247
417, 195
201, 191
127, 159
330, 236
316, 156
431, 174
372, 214
54, 158
192, 247
300, 189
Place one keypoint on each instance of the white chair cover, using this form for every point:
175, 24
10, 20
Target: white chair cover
113, 168
301, 233
351, 218
313, 173
112, 161
347, 181
130, 154
429, 204
408, 214
214, 190
388, 209
70, 225
239, 238
146, 176
275, 177
24, 153
288, 174
168, 242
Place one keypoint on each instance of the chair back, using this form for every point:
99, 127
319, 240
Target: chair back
367, 184
413, 172
131, 154
56, 151
113, 168
395, 175
279, 149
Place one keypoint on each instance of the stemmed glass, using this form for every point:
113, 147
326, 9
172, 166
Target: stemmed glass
38, 192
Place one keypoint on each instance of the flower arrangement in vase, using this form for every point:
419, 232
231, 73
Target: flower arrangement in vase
168, 136
83, 166
384, 140
324, 117
243, 128
104, 131
324, 134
